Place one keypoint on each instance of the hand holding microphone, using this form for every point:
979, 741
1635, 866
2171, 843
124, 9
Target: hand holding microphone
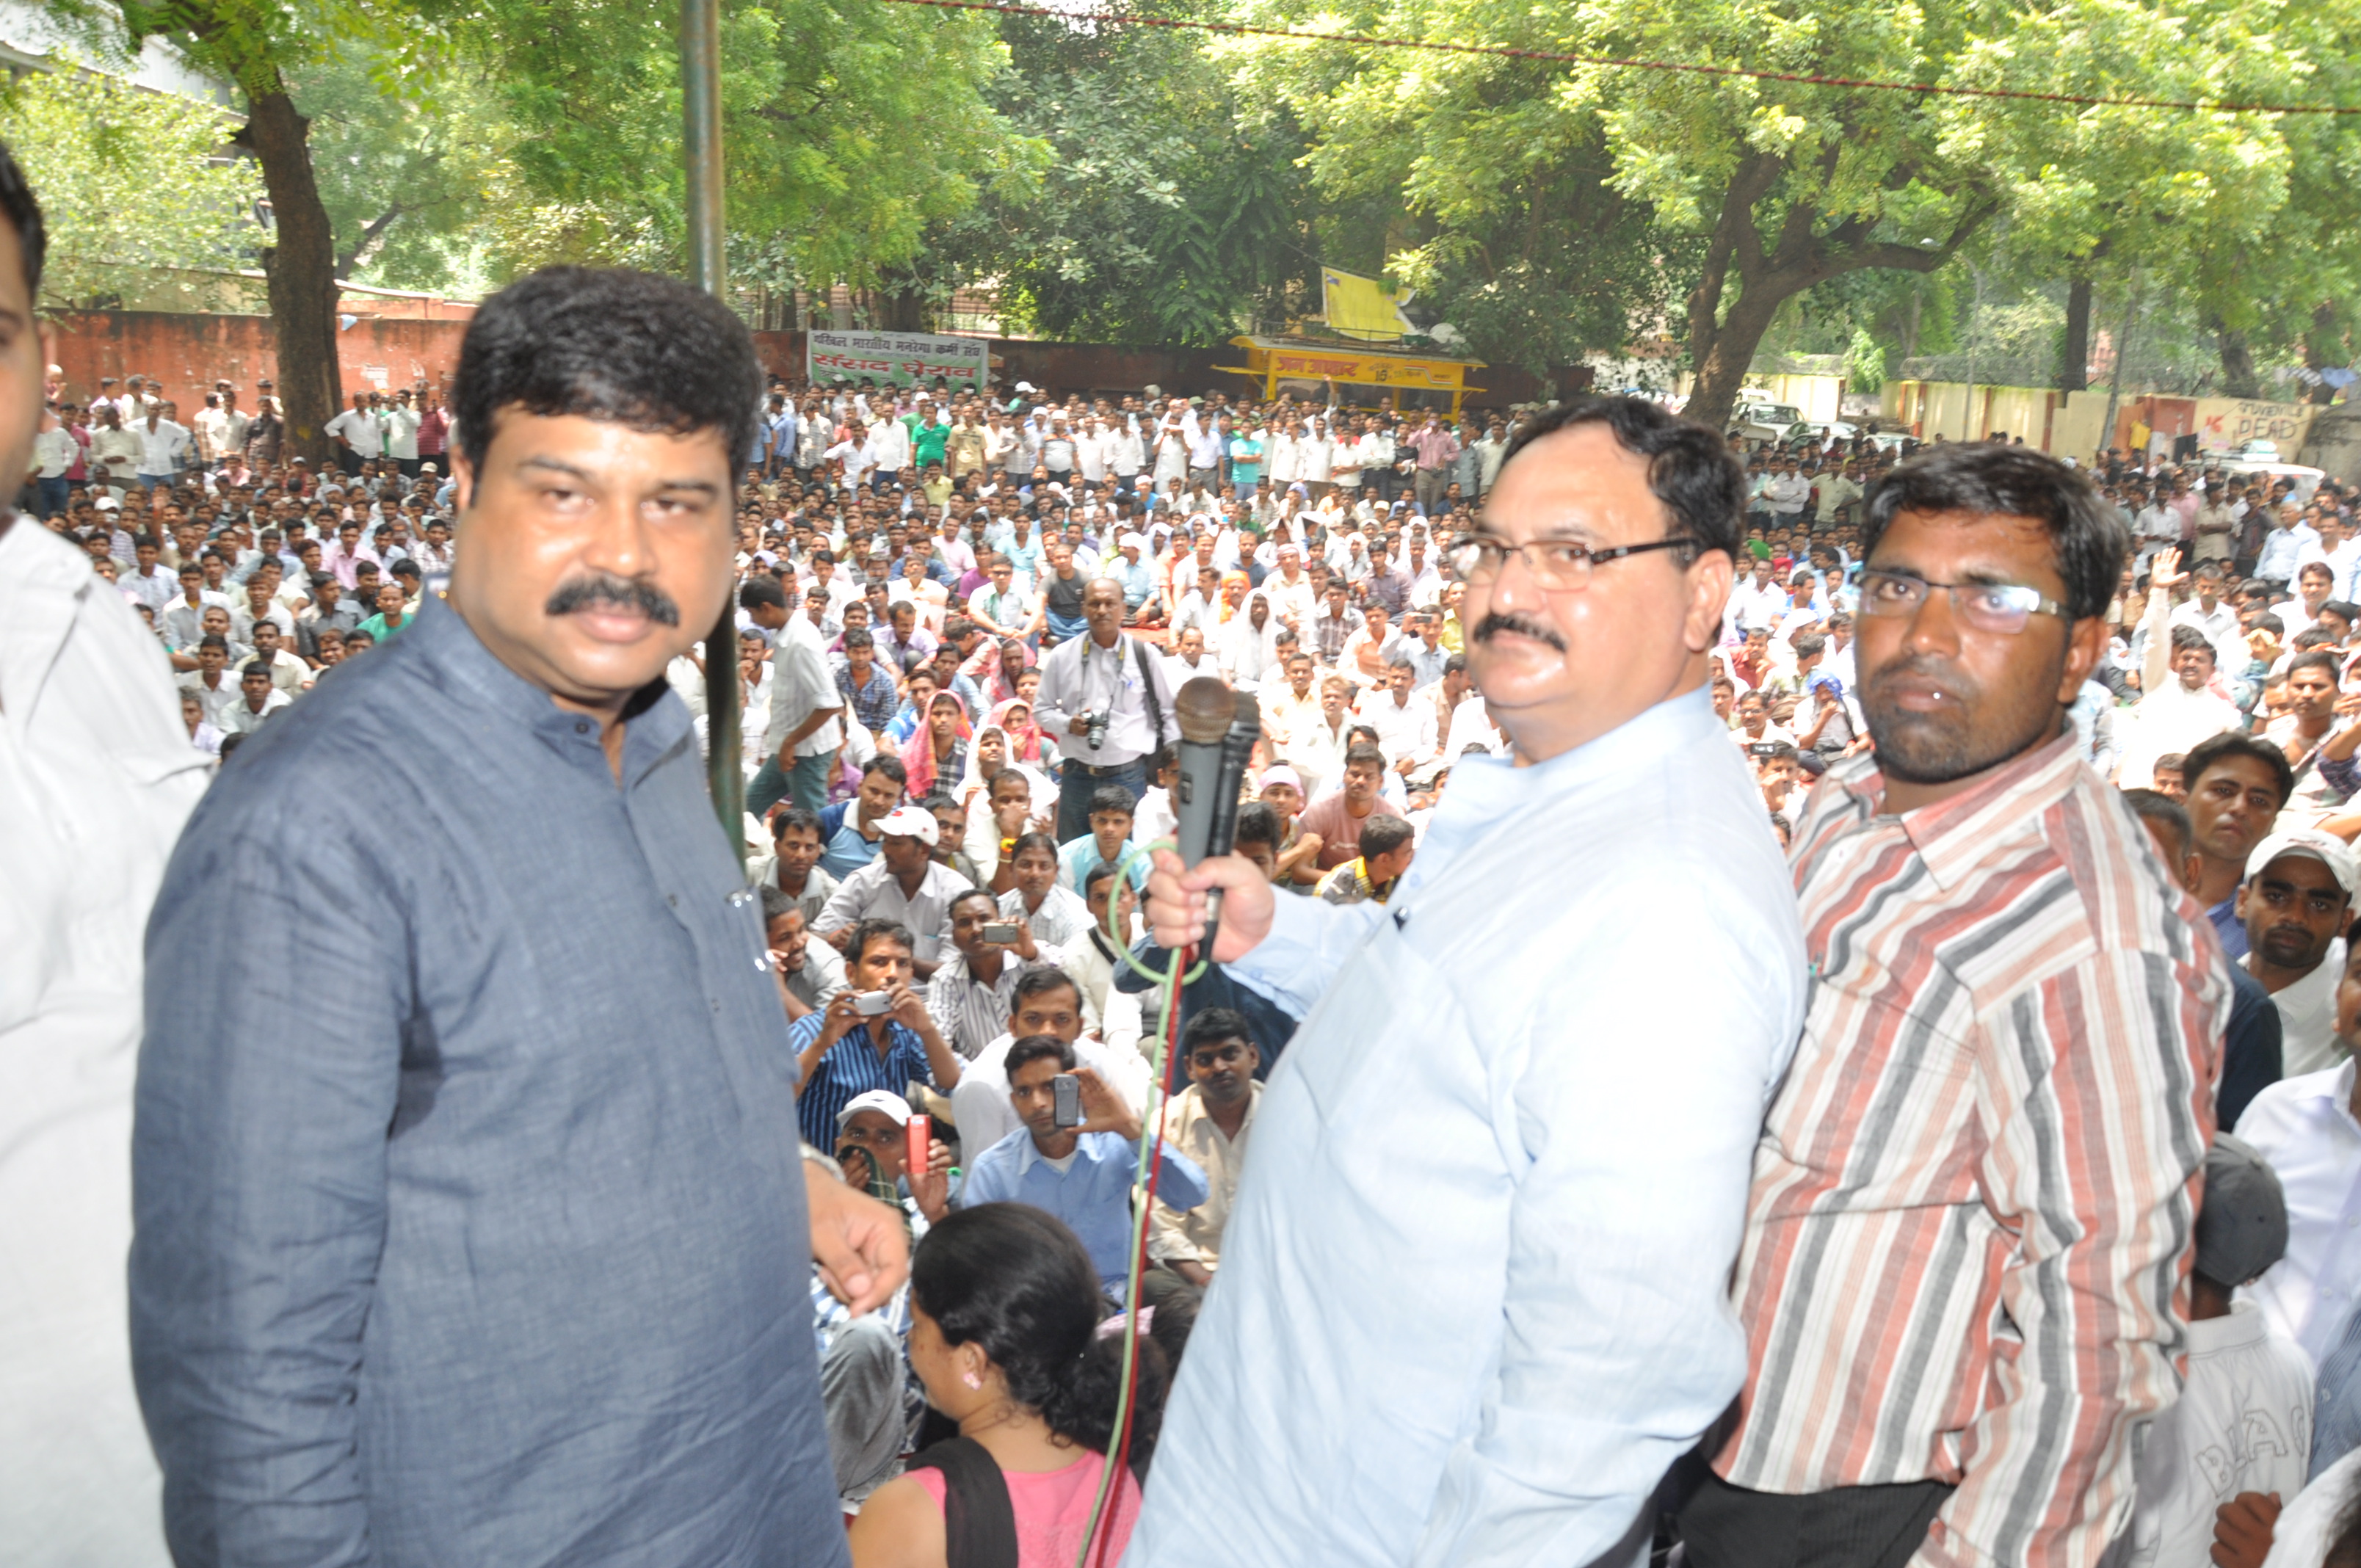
1186, 893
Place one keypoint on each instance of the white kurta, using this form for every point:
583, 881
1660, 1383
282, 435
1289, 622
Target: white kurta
96, 776
1474, 1294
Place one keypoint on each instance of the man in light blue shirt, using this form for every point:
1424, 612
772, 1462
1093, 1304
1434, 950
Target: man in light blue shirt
1081, 1174
1473, 1288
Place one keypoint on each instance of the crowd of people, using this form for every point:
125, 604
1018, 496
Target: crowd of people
962, 622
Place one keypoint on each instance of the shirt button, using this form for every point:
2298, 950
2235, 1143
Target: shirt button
717, 1005
582, 726
673, 899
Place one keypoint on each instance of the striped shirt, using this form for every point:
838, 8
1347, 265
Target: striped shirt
1967, 1240
851, 1067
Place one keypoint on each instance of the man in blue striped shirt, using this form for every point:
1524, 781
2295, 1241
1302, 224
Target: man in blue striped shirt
846, 1049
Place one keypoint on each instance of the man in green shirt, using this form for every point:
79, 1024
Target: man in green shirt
928, 439
391, 617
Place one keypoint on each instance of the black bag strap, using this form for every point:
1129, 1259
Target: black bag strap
1148, 689
978, 1522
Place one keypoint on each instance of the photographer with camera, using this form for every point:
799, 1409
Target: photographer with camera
876, 1035
1108, 701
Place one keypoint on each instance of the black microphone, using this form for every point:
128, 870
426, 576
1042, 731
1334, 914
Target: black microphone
1218, 731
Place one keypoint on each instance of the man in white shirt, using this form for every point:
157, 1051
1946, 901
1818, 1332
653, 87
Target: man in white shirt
257, 700
2283, 546
2294, 903
97, 776
2310, 1130
360, 436
856, 454
905, 883
2180, 708
1044, 1002
2210, 614
164, 448
400, 424
1756, 602
1405, 727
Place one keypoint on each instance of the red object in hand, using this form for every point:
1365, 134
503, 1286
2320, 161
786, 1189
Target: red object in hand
919, 1153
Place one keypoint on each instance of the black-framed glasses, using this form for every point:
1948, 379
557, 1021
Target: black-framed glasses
2001, 608
1559, 565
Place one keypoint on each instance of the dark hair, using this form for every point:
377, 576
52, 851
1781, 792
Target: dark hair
1257, 824
1809, 643
1095, 875
2216, 749
1035, 982
2155, 806
960, 898
1382, 834
1690, 468
1040, 1047
1210, 1026
1024, 841
2267, 621
1363, 754
858, 637
631, 347
1012, 1279
1113, 798
214, 640
776, 903
2089, 536
2315, 660
2187, 638
869, 931
890, 766
23, 212
761, 591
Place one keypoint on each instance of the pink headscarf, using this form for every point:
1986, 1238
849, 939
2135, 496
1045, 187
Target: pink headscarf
1024, 740
919, 750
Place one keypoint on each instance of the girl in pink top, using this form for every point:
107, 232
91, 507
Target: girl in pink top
1005, 1312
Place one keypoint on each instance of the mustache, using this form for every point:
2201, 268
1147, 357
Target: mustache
624, 593
1494, 624
1884, 675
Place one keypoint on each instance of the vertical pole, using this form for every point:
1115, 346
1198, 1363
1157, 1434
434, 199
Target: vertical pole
700, 97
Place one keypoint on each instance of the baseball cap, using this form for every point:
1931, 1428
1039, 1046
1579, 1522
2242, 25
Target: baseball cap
2326, 848
2242, 1225
884, 1099
107, 504
911, 822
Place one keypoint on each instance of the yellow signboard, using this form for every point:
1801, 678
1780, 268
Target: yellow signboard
1275, 360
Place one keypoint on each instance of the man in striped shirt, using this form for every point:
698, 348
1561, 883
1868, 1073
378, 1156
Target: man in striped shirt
1965, 1275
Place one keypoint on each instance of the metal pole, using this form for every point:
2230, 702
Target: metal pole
700, 98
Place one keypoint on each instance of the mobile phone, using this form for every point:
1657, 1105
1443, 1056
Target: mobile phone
920, 1132
1762, 749
1068, 1089
870, 1004
1000, 933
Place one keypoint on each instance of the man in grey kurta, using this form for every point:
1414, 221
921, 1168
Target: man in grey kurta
471, 1223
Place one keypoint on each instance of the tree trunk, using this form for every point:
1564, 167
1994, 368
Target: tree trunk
902, 310
2074, 356
1730, 351
2239, 378
2323, 346
300, 267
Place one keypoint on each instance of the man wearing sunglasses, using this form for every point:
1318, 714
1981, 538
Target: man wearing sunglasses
1474, 1286
1965, 1276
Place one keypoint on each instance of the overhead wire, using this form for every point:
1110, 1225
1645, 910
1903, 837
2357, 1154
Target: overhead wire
1627, 63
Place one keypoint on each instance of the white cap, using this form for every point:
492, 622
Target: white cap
2326, 847
107, 504
1025, 387
884, 1099
912, 822
1131, 542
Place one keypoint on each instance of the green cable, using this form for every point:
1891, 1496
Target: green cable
1171, 980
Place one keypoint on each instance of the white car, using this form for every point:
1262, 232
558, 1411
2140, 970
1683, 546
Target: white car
1766, 421
2307, 480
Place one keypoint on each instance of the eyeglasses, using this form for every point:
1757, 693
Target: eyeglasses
2002, 608
1559, 565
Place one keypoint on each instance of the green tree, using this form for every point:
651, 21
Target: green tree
1784, 186
406, 153
847, 128
138, 190
255, 45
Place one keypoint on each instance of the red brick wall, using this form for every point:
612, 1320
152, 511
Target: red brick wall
189, 353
